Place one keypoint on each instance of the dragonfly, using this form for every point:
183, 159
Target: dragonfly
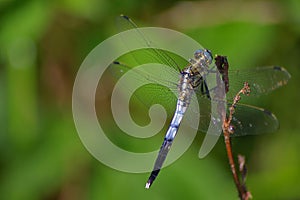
189, 81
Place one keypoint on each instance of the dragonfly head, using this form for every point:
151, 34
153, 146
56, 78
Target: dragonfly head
203, 56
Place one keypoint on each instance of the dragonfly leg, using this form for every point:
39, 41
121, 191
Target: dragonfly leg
204, 89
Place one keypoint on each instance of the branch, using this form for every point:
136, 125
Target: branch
228, 129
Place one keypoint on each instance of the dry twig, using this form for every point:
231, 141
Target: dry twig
228, 129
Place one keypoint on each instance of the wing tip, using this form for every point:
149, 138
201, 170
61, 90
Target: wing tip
282, 69
278, 68
124, 16
271, 115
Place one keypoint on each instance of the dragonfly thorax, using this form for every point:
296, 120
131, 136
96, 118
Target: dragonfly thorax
198, 68
201, 61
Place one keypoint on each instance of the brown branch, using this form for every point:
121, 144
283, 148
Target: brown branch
227, 130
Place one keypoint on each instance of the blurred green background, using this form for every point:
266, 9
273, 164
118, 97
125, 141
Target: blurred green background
42, 46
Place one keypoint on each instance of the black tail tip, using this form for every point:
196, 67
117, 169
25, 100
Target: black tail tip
148, 184
151, 179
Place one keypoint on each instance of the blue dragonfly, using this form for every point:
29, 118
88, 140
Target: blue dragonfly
190, 80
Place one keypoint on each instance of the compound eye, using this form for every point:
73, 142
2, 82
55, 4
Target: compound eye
198, 53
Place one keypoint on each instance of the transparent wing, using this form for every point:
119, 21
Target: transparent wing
159, 90
251, 120
262, 80
151, 93
247, 119
153, 52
